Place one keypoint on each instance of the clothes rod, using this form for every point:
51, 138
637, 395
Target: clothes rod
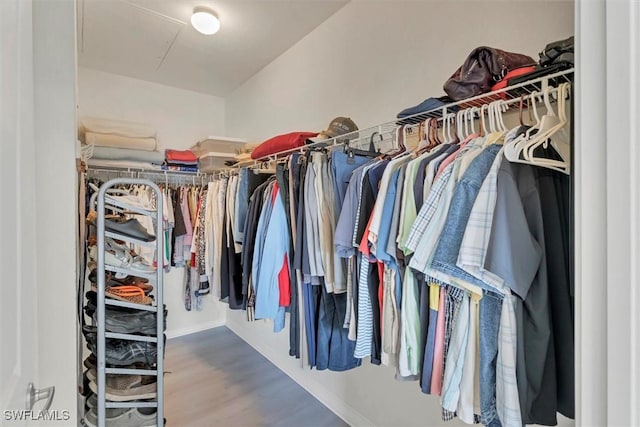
508, 95
129, 170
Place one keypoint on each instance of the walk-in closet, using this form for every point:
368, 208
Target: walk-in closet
319, 213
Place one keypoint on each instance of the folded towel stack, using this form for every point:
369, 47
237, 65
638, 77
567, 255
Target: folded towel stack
120, 141
183, 160
118, 134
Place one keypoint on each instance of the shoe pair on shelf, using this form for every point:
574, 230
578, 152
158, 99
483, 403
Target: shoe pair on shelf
110, 279
119, 255
125, 388
122, 320
132, 294
130, 227
122, 388
121, 352
123, 417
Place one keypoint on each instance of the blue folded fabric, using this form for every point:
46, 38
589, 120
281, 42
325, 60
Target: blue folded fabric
425, 106
179, 168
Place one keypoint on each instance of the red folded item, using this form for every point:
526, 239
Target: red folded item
511, 74
279, 143
180, 156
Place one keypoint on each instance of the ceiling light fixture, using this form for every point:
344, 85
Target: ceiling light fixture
205, 20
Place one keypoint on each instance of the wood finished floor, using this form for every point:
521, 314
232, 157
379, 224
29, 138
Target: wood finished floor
216, 379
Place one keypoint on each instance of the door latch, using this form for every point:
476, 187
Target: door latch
35, 395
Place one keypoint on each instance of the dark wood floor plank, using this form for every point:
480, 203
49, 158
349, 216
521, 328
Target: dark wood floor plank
216, 379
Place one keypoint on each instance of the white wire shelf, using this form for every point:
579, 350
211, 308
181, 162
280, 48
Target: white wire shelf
510, 95
167, 176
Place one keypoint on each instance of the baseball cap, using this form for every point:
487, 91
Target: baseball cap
340, 126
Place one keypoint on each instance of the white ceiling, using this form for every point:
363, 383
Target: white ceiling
153, 39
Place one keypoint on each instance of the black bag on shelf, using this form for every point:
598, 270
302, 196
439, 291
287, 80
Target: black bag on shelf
555, 57
558, 52
484, 67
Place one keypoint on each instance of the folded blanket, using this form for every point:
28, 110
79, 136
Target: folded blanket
217, 145
111, 153
119, 141
182, 156
117, 127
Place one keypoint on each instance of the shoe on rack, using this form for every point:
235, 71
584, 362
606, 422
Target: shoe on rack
119, 256
121, 352
117, 259
132, 294
129, 280
130, 227
124, 388
128, 199
91, 372
111, 280
132, 417
131, 323
92, 299
141, 265
123, 320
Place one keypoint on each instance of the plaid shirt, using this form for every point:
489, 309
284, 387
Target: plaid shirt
423, 255
507, 397
428, 209
473, 248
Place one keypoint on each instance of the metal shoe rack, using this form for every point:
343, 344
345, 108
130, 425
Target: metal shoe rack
157, 307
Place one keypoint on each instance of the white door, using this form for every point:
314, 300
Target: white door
18, 307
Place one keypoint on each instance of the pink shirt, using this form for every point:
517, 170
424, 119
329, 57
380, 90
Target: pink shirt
446, 162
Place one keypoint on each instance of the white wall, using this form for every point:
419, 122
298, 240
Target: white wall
54, 64
369, 61
181, 118
374, 58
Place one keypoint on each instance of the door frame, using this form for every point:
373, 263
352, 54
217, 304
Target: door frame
607, 212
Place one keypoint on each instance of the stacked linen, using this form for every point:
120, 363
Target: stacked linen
117, 141
181, 160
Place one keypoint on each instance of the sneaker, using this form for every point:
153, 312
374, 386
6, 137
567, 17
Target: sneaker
121, 352
122, 320
124, 388
133, 417
111, 280
129, 227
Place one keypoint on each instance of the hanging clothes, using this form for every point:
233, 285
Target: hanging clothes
451, 265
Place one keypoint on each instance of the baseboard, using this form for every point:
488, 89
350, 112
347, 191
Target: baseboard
337, 406
196, 328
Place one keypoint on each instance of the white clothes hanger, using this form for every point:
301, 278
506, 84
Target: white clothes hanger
548, 125
559, 140
513, 148
459, 125
483, 122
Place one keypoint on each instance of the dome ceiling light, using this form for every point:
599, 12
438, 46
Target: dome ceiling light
205, 21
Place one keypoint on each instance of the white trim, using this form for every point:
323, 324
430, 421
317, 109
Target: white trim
350, 415
195, 328
590, 215
634, 114
623, 184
